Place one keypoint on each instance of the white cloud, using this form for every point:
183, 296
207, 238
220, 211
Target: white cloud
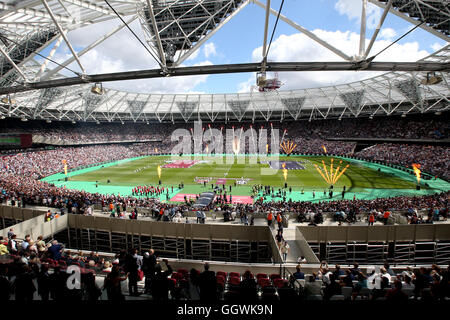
353, 9
436, 46
210, 49
298, 47
193, 55
387, 34
123, 52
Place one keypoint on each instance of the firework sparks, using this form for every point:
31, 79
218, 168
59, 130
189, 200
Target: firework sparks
288, 146
333, 175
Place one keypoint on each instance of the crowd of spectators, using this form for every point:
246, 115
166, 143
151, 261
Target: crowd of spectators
412, 127
432, 159
38, 269
20, 171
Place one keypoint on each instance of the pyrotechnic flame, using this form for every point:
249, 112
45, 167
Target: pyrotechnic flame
284, 171
236, 145
159, 172
207, 149
65, 166
416, 168
324, 149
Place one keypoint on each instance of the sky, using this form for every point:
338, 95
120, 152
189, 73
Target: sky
240, 41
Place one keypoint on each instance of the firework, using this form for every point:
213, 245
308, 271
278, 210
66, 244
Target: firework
288, 146
332, 176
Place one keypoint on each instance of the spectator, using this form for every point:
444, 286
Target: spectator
207, 285
3, 247
112, 284
298, 274
396, 294
160, 283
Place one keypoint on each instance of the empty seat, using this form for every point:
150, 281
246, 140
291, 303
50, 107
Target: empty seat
347, 292
364, 292
263, 282
220, 279
268, 289
261, 275
173, 283
314, 297
184, 272
279, 283
274, 276
176, 275
409, 292
337, 297
234, 281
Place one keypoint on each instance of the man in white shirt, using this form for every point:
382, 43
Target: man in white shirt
374, 279
326, 277
385, 274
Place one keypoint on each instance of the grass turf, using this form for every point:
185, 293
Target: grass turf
361, 178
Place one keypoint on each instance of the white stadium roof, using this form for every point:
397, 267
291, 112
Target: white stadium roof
28, 27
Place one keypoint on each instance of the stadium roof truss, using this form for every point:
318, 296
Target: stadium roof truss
174, 29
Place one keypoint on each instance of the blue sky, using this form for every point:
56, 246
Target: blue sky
239, 41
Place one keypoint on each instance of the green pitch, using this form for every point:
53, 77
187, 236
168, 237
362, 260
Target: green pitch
363, 180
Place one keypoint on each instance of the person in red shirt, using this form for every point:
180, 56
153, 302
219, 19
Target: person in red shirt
386, 217
371, 219
269, 219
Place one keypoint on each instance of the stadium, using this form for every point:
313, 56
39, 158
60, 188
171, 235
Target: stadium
325, 179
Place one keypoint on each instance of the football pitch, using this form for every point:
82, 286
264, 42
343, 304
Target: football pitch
363, 180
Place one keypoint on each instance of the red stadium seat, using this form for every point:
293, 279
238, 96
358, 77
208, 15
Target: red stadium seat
235, 274
184, 272
176, 275
221, 273
173, 282
261, 275
264, 282
274, 276
234, 281
279, 283
220, 279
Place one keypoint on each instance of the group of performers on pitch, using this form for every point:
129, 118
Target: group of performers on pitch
150, 191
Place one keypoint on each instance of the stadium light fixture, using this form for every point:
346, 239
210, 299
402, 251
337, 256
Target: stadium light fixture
24, 119
438, 113
48, 121
403, 115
